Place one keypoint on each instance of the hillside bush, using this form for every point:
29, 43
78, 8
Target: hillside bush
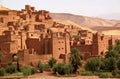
26, 71
40, 66
110, 64
68, 68
11, 69
118, 64
33, 70
93, 64
2, 72
52, 61
75, 59
63, 69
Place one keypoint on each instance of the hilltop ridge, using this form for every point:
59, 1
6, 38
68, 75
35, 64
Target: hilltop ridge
85, 21
3, 8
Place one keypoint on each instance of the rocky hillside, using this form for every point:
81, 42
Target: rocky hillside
68, 22
3, 8
89, 22
84, 22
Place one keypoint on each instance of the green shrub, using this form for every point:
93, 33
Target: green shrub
2, 71
116, 72
59, 68
46, 66
93, 64
11, 69
110, 64
28, 71
68, 69
10, 63
117, 76
105, 75
33, 70
86, 73
52, 61
63, 69
118, 64
40, 67
75, 59
55, 68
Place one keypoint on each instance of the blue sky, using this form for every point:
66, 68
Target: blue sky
96, 8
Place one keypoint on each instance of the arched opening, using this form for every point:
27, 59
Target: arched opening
102, 53
13, 57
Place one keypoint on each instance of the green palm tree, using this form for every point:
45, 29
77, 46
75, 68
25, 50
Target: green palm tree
75, 59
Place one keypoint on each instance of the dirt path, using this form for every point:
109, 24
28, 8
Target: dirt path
47, 75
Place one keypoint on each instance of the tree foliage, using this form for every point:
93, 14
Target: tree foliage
28, 70
112, 53
110, 63
2, 72
75, 58
93, 64
63, 69
52, 61
11, 68
40, 66
116, 47
118, 64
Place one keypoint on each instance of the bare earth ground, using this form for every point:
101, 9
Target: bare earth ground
47, 75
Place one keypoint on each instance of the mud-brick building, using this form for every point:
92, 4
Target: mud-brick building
33, 35
97, 47
55, 44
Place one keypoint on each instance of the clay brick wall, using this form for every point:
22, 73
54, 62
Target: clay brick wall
4, 38
43, 46
31, 58
9, 47
13, 47
46, 46
86, 36
4, 20
4, 47
113, 38
12, 12
5, 59
85, 50
32, 43
60, 46
100, 44
4, 12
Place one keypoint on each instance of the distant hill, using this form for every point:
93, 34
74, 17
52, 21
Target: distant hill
110, 16
3, 8
68, 22
89, 22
